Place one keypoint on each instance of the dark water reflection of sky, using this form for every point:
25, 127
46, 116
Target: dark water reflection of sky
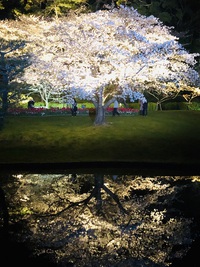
95, 219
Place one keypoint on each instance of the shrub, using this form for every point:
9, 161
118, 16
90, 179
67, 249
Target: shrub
193, 106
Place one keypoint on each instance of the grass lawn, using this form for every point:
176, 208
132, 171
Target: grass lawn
160, 137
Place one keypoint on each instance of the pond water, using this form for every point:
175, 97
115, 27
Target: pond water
94, 219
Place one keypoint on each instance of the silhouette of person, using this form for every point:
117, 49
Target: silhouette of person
31, 104
115, 109
144, 107
74, 107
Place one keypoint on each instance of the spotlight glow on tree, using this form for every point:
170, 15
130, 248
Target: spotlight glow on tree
106, 55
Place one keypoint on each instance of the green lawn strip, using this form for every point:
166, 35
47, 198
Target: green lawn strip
164, 136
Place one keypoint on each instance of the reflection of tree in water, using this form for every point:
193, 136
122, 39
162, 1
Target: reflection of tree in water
88, 220
97, 194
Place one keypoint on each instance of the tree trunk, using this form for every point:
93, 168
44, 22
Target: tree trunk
99, 181
159, 105
100, 117
4, 89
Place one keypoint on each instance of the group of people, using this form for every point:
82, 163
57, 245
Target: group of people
74, 108
143, 107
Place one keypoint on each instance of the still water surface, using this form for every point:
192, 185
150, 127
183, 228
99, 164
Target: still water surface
94, 219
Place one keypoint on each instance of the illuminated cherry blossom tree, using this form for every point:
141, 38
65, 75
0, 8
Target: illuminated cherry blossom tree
106, 55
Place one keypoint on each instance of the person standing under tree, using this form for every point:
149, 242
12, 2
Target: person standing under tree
31, 104
74, 107
115, 109
145, 106
141, 107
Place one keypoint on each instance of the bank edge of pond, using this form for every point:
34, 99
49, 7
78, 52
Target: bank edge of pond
134, 168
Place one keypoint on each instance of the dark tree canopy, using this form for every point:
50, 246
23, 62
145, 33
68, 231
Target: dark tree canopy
183, 15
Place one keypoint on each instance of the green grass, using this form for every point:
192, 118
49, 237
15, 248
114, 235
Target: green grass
162, 136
